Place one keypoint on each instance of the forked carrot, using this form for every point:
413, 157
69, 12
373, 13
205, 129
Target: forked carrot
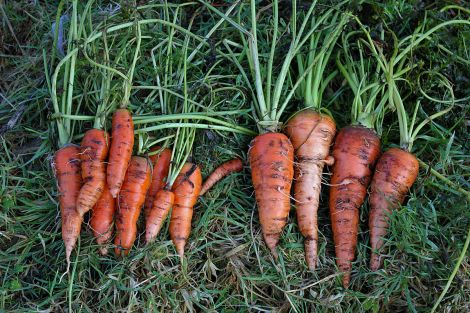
161, 166
162, 205
220, 172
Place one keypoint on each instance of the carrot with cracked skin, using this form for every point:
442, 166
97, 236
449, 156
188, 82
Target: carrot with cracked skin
355, 151
69, 181
130, 201
272, 169
120, 152
395, 173
102, 219
226, 168
94, 150
186, 189
311, 134
161, 166
162, 205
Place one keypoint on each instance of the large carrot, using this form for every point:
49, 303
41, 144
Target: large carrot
272, 169
311, 134
69, 180
355, 151
395, 173
120, 152
186, 189
235, 165
130, 200
94, 150
161, 166
161, 206
102, 218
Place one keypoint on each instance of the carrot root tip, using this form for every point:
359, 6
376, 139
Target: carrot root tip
311, 254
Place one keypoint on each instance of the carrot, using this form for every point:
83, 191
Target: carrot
94, 150
121, 149
355, 151
130, 200
311, 134
394, 175
223, 170
102, 217
161, 166
272, 169
186, 189
69, 181
161, 207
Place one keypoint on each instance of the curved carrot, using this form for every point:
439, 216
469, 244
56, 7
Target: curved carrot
130, 200
356, 151
186, 188
161, 207
272, 169
69, 181
161, 166
311, 134
94, 150
102, 217
223, 170
395, 173
120, 152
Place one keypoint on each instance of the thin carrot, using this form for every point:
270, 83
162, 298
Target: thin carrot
120, 152
162, 205
102, 218
220, 172
161, 166
130, 200
395, 173
94, 150
355, 151
272, 169
69, 181
186, 189
311, 134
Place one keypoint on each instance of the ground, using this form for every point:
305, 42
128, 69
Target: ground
227, 266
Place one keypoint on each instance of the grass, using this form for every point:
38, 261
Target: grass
227, 266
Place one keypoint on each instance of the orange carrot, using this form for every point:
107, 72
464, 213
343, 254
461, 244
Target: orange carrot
102, 217
161, 207
223, 170
69, 181
186, 188
355, 151
272, 169
94, 150
130, 200
311, 134
120, 151
395, 173
161, 166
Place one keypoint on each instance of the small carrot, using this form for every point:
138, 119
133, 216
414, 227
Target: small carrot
186, 189
223, 170
162, 205
311, 134
69, 181
272, 170
355, 151
120, 152
130, 200
94, 150
102, 218
161, 166
395, 173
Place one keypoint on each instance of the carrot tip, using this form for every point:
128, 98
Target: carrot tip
346, 280
374, 262
103, 251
